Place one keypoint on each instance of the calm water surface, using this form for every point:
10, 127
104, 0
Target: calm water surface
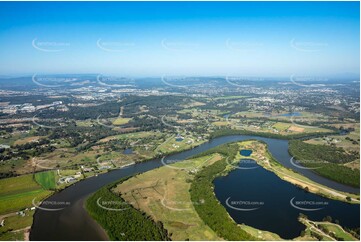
260, 199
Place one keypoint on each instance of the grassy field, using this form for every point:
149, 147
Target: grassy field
17, 193
135, 135
16, 223
121, 121
28, 140
344, 141
326, 230
163, 194
171, 145
281, 126
285, 127
46, 179
260, 234
337, 230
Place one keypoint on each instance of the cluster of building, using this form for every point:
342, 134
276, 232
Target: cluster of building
30, 108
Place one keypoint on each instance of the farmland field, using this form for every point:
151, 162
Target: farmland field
17, 193
46, 179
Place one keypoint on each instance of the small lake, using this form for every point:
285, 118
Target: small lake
246, 152
128, 152
257, 197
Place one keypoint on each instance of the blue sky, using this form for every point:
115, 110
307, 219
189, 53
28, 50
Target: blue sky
180, 38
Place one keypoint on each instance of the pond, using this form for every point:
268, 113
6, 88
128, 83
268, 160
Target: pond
128, 152
246, 152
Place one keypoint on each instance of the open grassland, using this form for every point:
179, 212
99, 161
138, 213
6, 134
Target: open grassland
349, 142
16, 226
326, 231
46, 179
17, 193
28, 140
135, 135
337, 230
193, 103
171, 145
260, 234
255, 123
163, 193
121, 121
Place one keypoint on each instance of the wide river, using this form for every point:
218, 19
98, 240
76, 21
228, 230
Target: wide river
64, 217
